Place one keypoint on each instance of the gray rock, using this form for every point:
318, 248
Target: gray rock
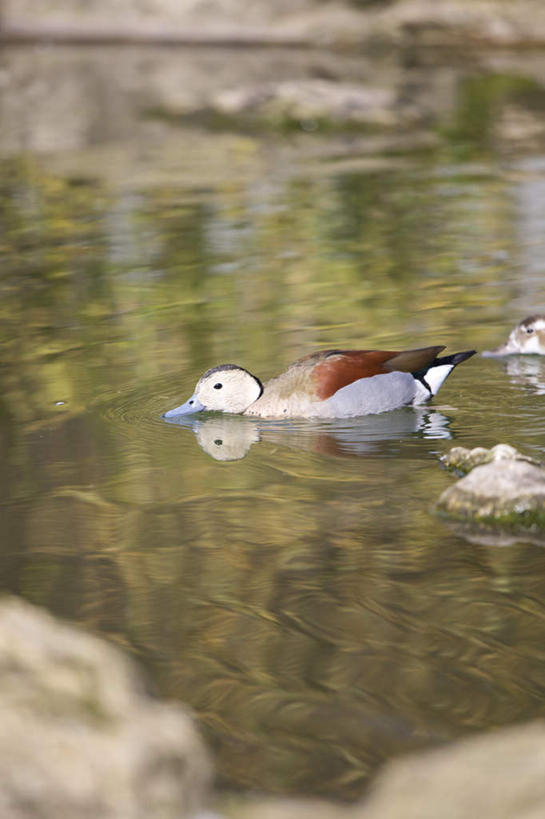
505, 491
315, 100
464, 460
449, 22
78, 735
498, 775
495, 775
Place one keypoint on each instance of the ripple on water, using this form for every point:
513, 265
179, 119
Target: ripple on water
128, 408
513, 403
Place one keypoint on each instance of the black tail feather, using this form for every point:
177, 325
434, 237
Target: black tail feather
454, 359
444, 360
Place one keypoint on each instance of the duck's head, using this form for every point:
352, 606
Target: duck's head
527, 337
226, 388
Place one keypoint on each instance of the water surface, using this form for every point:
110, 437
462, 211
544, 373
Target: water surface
288, 580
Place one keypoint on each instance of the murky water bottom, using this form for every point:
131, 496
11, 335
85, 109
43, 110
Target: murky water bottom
288, 579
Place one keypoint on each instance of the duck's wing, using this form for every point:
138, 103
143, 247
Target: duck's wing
334, 369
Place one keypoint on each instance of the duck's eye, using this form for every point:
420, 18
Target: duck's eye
218, 386
191, 403
529, 329
218, 442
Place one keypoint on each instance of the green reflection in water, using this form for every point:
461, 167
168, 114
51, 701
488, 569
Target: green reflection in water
299, 595
482, 100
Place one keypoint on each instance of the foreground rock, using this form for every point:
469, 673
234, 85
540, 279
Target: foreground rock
506, 489
78, 735
498, 775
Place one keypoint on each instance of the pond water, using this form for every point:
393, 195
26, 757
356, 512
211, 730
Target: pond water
287, 580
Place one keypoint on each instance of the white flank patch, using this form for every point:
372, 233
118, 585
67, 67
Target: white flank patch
436, 375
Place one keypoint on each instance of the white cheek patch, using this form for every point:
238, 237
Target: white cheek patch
532, 344
539, 324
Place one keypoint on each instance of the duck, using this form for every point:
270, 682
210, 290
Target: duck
326, 384
527, 338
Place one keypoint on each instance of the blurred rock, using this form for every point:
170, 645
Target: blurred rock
78, 735
503, 487
150, 12
445, 22
55, 100
498, 775
463, 460
65, 99
315, 101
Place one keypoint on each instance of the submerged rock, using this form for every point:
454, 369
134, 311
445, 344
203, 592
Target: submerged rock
78, 735
503, 487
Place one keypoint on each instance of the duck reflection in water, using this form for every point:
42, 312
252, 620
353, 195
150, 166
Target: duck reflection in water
230, 437
527, 372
